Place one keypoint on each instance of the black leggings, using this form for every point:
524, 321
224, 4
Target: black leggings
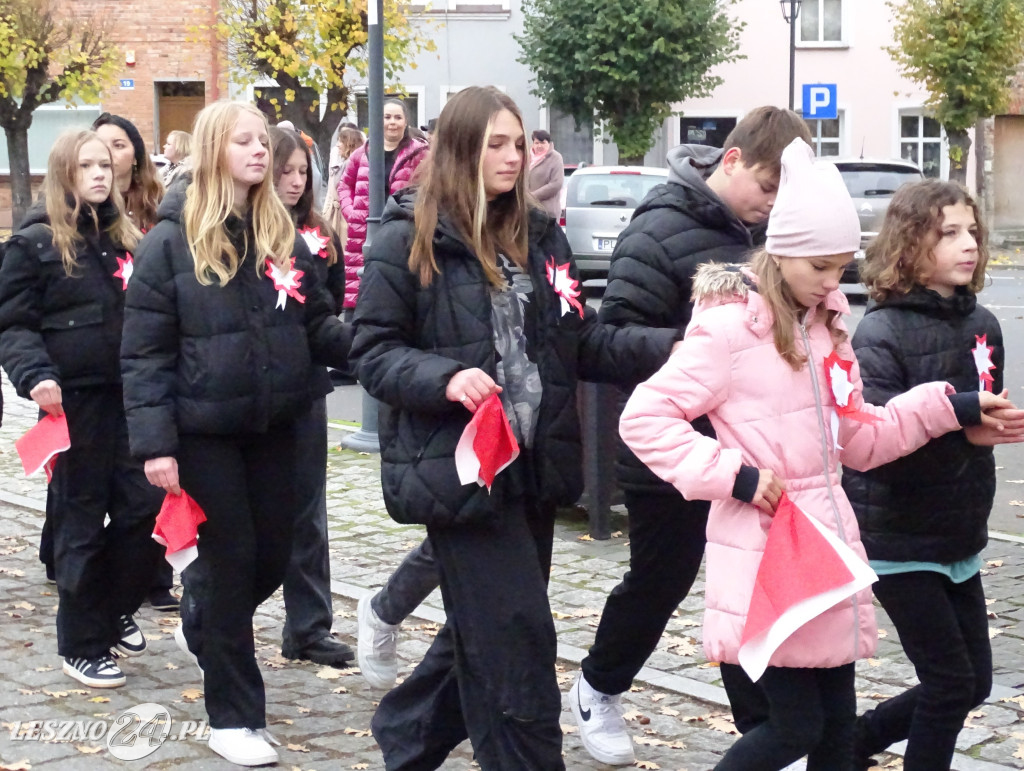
811, 712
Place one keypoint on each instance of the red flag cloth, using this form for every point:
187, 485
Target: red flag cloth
177, 528
42, 442
487, 445
804, 571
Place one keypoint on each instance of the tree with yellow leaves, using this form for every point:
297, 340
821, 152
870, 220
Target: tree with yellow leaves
47, 54
311, 49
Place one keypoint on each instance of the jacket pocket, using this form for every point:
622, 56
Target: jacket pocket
73, 318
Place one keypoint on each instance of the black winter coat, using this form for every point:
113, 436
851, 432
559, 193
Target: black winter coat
932, 505
410, 340
218, 359
59, 327
678, 227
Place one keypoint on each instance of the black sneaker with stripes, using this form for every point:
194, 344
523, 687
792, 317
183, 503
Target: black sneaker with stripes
100, 672
132, 642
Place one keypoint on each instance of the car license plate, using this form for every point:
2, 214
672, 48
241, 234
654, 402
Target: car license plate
606, 244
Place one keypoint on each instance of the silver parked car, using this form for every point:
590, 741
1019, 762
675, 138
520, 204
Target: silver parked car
872, 185
599, 202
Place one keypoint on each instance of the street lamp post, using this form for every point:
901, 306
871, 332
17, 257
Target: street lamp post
790, 12
366, 439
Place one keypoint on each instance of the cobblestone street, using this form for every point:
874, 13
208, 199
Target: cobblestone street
677, 709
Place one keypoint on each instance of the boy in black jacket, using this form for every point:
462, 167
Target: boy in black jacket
708, 211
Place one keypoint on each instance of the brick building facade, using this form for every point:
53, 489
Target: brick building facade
170, 69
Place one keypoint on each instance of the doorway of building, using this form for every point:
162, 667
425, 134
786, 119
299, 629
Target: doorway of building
1007, 169
177, 103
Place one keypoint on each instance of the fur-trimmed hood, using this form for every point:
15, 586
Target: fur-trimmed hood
719, 284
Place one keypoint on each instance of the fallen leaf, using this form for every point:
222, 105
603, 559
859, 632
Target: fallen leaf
329, 673
24, 605
284, 721
56, 694
1019, 754
633, 714
340, 689
87, 750
297, 748
1018, 700
357, 732
994, 563
99, 699
669, 711
304, 710
1017, 503
18, 765
191, 694
568, 729
646, 764
360, 766
993, 632
586, 537
169, 665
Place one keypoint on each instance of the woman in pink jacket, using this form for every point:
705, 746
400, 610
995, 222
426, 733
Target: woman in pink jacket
754, 361
402, 155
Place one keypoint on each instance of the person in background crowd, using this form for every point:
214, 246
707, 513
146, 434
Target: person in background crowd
547, 173
402, 154
309, 614
469, 293
134, 172
177, 150
62, 290
225, 316
349, 138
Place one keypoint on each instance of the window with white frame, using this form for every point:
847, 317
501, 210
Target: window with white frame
821, 21
921, 142
48, 122
826, 135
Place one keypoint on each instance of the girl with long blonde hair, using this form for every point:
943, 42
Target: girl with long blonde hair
470, 297
226, 316
62, 295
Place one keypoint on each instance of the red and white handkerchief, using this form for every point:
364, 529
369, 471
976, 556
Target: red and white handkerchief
487, 445
804, 571
177, 528
39, 446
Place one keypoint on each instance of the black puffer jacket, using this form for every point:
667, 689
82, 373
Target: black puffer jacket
55, 326
678, 227
932, 505
218, 360
410, 340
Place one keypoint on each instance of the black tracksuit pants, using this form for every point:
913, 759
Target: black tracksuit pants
102, 570
244, 483
309, 611
490, 672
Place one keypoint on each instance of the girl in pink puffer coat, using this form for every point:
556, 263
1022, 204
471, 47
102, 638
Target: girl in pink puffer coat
354, 189
754, 361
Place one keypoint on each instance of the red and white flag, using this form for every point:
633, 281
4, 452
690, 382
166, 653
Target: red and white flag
177, 528
805, 570
487, 445
39, 446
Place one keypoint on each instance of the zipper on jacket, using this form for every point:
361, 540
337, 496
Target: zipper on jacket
819, 411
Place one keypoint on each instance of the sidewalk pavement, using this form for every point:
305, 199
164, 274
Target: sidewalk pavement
677, 710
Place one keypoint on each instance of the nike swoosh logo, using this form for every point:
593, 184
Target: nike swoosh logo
584, 713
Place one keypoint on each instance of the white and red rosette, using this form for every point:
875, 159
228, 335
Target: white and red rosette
315, 240
125, 268
838, 374
286, 282
565, 286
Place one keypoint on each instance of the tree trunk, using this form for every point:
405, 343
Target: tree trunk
21, 182
959, 147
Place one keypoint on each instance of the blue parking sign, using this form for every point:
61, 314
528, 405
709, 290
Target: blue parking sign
819, 100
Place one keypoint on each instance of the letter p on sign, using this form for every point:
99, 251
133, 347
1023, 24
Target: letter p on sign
819, 101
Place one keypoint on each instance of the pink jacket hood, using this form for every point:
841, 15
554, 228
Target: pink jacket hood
768, 416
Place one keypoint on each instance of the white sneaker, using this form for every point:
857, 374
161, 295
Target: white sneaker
132, 642
179, 638
243, 746
602, 728
377, 648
